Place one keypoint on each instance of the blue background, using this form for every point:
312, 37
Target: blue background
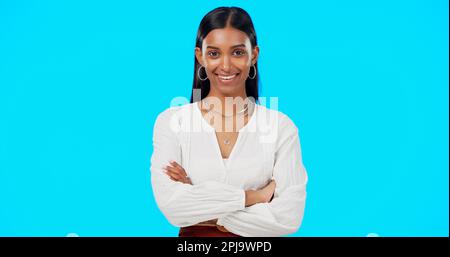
82, 82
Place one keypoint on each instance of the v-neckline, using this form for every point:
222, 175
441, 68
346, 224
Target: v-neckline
216, 142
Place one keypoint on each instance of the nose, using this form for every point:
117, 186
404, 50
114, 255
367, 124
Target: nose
226, 64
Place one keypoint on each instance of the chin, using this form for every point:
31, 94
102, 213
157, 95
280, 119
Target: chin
228, 89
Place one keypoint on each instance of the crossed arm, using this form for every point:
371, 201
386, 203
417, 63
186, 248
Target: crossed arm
185, 204
177, 173
274, 210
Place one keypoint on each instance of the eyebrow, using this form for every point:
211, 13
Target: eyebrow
213, 47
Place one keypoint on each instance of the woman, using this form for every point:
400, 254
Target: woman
220, 167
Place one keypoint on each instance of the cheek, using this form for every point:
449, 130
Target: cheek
245, 69
242, 62
211, 65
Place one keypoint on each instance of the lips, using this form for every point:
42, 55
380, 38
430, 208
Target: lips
227, 78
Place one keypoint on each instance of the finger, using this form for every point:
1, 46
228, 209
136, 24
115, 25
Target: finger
173, 179
174, 170
175, 164
178, 172
177, 178
178, 166
178, 175
174, 175
170, 173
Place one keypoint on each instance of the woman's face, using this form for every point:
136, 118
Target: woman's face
227, 56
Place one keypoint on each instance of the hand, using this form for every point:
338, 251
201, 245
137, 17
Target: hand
177, 173
266, 193
263, 195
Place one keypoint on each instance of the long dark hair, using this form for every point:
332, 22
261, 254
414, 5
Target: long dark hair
237, 18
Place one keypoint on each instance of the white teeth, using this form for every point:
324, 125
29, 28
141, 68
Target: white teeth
227, 77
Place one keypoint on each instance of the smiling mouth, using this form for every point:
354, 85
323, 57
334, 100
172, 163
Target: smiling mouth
228, 78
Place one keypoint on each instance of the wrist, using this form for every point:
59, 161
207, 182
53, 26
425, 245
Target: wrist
252, 197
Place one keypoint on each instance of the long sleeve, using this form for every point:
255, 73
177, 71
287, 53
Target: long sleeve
284, 214
184, 204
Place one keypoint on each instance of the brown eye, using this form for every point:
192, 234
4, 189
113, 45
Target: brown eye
239, 52
213, 53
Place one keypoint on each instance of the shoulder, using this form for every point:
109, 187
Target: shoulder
280, 120
172, 116
275, 126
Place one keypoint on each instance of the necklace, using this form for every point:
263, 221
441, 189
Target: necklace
226, 141
225, 116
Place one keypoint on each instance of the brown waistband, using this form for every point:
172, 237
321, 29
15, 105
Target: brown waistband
204, 231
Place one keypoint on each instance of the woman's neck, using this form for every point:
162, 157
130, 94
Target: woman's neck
227, 104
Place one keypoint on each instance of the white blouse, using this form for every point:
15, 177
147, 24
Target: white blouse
267, 147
